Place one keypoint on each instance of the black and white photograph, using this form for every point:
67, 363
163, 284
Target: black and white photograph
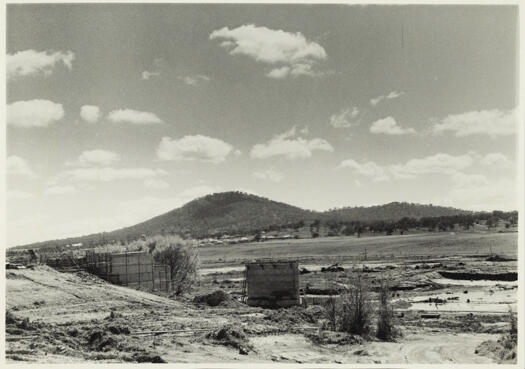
263, 184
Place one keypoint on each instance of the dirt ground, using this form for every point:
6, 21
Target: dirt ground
58, 317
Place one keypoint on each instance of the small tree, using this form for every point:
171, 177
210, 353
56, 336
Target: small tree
356, 309
386, 330
182, 259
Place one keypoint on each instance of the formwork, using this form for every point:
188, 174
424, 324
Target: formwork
272, 283
133, 269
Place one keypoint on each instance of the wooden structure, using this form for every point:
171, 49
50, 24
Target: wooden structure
272, 283
133, 269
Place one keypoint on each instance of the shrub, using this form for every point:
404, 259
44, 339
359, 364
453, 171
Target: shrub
181, 257
356, 308
386, 330
331, 313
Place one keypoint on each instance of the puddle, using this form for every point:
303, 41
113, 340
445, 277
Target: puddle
482, 283
497, 301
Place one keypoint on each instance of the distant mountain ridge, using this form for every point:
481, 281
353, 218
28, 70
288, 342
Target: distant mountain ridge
238, 212
393, 211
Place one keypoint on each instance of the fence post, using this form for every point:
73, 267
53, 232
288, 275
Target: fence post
152, 274
138, 266
126, 258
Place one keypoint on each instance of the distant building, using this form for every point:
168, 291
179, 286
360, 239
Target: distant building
272, 283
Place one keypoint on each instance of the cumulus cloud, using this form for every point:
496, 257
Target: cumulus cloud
95, 157
291, 54
19, 195
279, 73
108, 174
60, 190
17, 166
389, 96
34, 113
389, 126
156, 183
290, 146
496, 160
438, 163
31, 62
133, 117
269, 174
195, 148
345, 118
195, 80
366, 168
90, 113
492, 123
146, 75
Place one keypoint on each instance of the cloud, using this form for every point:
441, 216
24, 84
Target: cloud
19, 195
476, 192
492, 123
34, 113
109, 174
146, 75
345, 118
195, 148
31, 62
195, 80
95, 157
367, 168
496, 160
60, 190
389, 96
279, 73
269, 174
17, 166
291, 53
90, 113
155, 183
438, 163
468, 180
389, 126
133, 117
289, 146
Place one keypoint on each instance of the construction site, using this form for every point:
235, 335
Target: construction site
121, 306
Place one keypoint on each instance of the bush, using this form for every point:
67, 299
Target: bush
331, 312
181, 257
386, 330
356, 308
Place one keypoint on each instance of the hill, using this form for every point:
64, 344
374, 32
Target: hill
241, 213
392, 212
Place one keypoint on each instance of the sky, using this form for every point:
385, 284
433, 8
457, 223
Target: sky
118, 113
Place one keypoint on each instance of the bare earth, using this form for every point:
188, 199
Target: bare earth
76, 317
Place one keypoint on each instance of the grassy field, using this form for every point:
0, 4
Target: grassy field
427, 244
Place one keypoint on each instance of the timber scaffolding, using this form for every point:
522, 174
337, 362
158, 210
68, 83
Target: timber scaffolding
272, 283
132, 269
